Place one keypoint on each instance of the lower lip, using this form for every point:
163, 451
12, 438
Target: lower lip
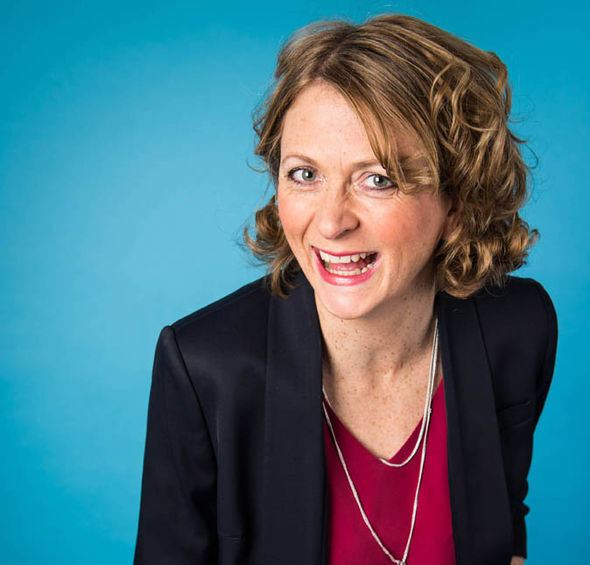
344, 280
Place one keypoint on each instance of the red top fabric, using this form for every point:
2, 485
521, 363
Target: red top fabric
387, 496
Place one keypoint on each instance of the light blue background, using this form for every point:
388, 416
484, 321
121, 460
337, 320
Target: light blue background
125, 145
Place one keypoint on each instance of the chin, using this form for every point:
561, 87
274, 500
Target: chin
344, 307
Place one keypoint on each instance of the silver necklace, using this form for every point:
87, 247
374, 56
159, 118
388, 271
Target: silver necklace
423, 430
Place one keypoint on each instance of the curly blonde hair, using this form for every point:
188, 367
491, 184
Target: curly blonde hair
451, 96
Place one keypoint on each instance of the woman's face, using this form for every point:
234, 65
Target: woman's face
343, 206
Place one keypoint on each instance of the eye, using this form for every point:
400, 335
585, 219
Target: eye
306, 173
381, 183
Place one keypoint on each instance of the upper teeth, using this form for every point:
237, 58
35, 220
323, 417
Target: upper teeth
343, 258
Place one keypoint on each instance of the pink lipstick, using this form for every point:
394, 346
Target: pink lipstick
346, 279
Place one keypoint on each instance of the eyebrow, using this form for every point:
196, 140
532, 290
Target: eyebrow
357, 165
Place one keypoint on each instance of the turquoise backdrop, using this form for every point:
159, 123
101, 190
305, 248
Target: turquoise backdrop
126, 154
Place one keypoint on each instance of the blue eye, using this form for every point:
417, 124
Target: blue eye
290, 174
386, 179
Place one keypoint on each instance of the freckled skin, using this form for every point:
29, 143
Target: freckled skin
377, 335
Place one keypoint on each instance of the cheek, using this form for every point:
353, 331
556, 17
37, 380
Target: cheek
392, 229
409, 230
293, 215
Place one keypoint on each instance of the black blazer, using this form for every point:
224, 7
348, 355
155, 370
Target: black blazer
234, 467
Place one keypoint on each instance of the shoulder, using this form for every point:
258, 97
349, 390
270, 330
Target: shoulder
519, 312
516, 289
519, 328
250, 299
522, 306
225, 336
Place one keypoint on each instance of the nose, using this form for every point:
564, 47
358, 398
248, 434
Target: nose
335, 215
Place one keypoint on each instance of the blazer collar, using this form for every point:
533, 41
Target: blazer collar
294, 502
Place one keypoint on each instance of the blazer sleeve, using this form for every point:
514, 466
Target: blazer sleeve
546, 376
542, 388
177, 516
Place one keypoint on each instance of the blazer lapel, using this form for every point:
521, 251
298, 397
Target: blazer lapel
294, 500
294, 468
482, 523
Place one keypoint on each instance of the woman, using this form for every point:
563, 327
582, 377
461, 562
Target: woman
387, 323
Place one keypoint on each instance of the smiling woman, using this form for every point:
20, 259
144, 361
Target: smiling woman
373, 397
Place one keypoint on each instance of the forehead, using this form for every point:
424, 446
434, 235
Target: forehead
322, 120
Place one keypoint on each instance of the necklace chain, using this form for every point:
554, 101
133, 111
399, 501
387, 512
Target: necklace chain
423, 431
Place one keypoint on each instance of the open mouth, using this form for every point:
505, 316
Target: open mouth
348, 265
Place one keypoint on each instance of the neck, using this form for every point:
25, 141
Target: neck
390, 344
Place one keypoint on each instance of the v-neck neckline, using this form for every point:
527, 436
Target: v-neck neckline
343, 428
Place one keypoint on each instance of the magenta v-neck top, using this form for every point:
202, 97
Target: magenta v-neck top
387, 496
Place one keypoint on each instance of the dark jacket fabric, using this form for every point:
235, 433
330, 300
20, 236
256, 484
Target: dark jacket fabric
234, 469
